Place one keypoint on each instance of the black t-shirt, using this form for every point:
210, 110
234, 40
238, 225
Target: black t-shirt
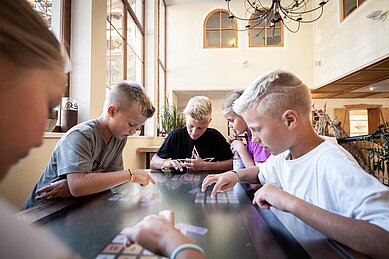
179, 145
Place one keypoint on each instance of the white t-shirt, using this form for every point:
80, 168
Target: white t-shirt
20, 240
330, 178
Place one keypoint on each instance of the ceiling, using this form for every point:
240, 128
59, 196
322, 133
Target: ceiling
369, 82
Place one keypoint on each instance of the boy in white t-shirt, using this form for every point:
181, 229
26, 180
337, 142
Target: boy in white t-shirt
314, 179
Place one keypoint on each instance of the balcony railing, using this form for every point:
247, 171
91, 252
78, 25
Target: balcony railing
370, 153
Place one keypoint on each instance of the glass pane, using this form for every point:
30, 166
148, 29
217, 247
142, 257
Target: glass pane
258, 20
360, 2
131, 65
138, 47
213, 38
348, 7
226, 22
116, 57
44, 8
137, 7
228, 38
162, 32
108, 56
162, 89
214, 21
134, 36
139, 70
358, 122
109, 10
257, 38
131, 32
273, 36
117, 15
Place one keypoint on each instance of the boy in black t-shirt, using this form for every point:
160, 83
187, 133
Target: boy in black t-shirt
195, 146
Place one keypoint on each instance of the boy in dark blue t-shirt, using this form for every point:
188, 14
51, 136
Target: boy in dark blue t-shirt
195, 147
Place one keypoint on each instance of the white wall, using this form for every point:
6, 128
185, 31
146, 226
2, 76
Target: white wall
189, 66
343, 47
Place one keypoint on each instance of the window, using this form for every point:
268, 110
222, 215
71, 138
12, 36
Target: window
358, 122
161, 55
264, 34
360, 119
58, 17
348, 6
125, 41
219, 30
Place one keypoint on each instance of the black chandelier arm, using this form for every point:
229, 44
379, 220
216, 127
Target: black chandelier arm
314, 20
289, 29
276, 13
302, 12
264, 27
249, 11
256, 35
299, 19
251, 27
300, 9
233, 16
293, 6
264, 19
255, 7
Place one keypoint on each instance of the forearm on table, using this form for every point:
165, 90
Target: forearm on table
81, 184
156, 162
172, 239
222, 165
359, 235
249, 175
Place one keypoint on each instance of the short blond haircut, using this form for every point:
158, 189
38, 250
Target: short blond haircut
199, 108
274, 93
127, 93
228, 104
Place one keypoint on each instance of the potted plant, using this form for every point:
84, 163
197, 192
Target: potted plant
169, 119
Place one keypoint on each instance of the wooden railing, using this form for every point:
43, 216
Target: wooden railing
359, 146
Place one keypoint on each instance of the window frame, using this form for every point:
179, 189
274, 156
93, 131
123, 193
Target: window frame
64, 37
220, 29
266, 29
342, 14
161, 61
127, 14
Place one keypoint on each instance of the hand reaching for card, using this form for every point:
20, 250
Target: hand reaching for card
157, 234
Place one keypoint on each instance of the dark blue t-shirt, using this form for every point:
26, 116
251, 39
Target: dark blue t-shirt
179, 145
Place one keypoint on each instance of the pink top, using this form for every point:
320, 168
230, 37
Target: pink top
257, 152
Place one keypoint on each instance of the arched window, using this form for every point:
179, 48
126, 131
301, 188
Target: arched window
263, 33
218, 30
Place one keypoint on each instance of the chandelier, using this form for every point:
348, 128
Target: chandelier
291, 13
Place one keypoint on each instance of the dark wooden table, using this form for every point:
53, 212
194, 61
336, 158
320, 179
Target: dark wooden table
234, 227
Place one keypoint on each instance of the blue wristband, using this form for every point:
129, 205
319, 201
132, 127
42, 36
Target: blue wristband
185, 246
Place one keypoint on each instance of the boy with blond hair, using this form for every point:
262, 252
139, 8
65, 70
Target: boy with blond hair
194, 142
314, 179
88, 158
